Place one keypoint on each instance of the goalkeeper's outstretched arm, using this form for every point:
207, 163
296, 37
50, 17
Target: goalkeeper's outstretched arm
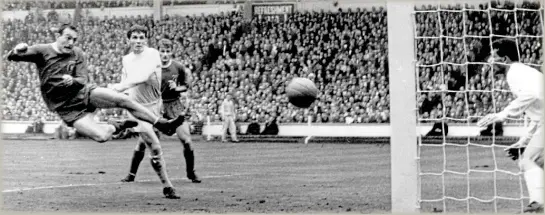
517, 106
514, 109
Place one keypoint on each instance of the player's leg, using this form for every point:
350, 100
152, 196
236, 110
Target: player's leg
531, 165
78, 113
184, 135
172, 109
224, 129
107, 98
232, 129
88, 126
137, 157
157, 160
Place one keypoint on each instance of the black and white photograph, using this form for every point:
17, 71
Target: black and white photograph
272, 106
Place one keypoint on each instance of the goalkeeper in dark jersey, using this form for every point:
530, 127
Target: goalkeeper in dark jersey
66, 91
176, 79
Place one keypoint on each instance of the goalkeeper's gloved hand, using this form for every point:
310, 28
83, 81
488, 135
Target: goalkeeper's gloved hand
517, 149
515, 153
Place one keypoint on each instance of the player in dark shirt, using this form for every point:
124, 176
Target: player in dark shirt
176, 79
65, 89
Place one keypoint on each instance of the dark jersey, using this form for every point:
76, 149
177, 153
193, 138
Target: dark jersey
51, 67
173, 72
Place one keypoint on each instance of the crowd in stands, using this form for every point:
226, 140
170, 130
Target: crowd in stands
473, 89
345, 53
342, 58
15, 5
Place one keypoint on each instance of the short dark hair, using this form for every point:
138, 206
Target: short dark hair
506, 47
165, 43
137, 29
66, 26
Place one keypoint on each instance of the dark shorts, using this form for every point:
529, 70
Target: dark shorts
77, 107
173, 109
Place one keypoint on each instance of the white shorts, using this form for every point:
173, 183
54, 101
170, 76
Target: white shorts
143, 126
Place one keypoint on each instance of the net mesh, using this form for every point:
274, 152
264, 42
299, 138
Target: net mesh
455, 87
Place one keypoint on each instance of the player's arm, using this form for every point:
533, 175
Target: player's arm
183, 87
23, 52
514, 109
80, 75
518, 106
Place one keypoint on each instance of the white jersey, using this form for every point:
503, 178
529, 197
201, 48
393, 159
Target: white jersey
228, 108
147, 66
526, 83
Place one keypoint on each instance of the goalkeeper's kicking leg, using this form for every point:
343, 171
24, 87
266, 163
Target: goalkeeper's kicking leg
531, 164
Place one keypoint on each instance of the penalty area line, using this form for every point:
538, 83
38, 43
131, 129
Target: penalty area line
112, 183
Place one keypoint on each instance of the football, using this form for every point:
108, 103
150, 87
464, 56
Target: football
301, 92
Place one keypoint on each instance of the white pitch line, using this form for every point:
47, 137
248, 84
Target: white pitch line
113, 183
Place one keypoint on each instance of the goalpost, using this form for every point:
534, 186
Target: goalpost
403, 151
406, 143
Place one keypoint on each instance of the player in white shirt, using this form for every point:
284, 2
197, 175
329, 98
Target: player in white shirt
175, 79
526, 83
141, 80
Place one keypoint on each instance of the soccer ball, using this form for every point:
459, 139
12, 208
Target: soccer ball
301, 92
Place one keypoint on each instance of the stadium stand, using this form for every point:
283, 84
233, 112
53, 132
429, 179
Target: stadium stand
479, 77
257, 59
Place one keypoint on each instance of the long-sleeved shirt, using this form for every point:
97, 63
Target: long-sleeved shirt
52, 65
176, 72
143, 72
526, 83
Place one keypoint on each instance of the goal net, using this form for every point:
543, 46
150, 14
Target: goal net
466, 170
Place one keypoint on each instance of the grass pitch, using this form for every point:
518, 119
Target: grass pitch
83, 176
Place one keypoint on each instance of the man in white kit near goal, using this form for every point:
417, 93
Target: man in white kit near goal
526, 83
141, 79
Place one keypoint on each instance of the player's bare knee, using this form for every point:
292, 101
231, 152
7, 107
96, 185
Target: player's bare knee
187, 145
141, 146
156, 151
183, 139
156, 159
124, 102
156, 162
101, 138
150, 138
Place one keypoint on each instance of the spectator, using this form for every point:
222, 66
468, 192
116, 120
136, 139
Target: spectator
271, 127
348, 62
253, 128
481, 78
